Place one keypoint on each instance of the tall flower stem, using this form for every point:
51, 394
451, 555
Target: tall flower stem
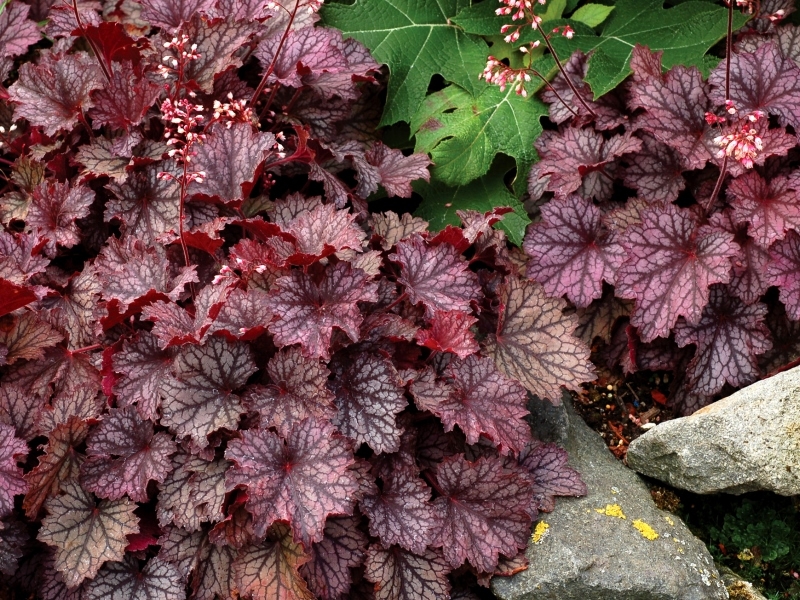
728, 51
566, 76
262, 84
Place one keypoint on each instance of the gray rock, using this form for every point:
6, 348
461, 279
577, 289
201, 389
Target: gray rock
746, 442
738, 588
604, 546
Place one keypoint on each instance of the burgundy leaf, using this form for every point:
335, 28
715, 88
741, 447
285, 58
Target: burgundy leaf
547, 463
21, 411
298, 390
401, 575
480, 400
534, 342
301, 479
193, 493
170, 14
450, 332
322, 231
17, 32
84, 403
308, 310
12, 450
750, 270
125, 99
124, 455
230, 158
146, 205
675, 105
244, 315
783, 270
100, 157
54, 209
571, 251
672, 261
112, 42
26, 336
396, 171
59, 463
392, 228
369, 397
53, 93
59, 372
598, 319
656, 171
144, 367
13, 537
84, 533
483, 510
342, 548
200, 398
269, 571
14, 296
20, 258
401, 512
760, 80
75, 311
581, 160
728, 337
158, 579
436, 276
770, 208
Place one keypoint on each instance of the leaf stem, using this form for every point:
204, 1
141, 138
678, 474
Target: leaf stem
722, 172
566, 76
729, 51
262, 84
553, 89
91, 43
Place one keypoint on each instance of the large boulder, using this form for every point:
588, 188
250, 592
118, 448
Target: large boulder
613, 543
746, 442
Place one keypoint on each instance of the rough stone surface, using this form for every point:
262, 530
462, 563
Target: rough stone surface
738, 588
746, 442
588, 551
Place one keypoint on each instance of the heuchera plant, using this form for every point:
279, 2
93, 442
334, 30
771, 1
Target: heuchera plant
670, 208
221, 376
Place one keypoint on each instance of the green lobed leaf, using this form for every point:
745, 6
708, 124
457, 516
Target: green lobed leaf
481, 19
417, 40
592, 14
684, 32
463, 133
441, 202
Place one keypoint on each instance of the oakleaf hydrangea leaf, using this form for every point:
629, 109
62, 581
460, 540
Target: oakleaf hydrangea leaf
480, 400
53, 93
401, 575
193, 493
54, 209
571, 252
229, 157
200, 398
547, 464
369, 397
343, 547
483, 511
12, 450
300, 480
728, 337
769, 208
761, 80
118, 580
141, 456
144, 367
417, 41
84, 533
401, 512
308, 310
450, 332
672, 261
298, 390
534, 342
436, 276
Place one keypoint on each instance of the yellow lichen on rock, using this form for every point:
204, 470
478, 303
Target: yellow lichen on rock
668, 520
540, 532
612, 510
645, 529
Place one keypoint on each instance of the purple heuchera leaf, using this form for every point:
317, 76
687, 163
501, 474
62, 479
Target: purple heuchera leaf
571, 251
141, 456
342, 548
396, 171
547, 464
479, 399
483, 511
12, 450
750, 273
770, 208
13, 539
17, 32
301, 479
581, 160
450, 332
308, 310
324, 230
53, 93
21, 411
158, 579
784, 272
534, 342
54, 209
125, 99
401, 575
728, 337
761, 80
401, 512
84, 533
656, 171
144, 367
368, 397
672, 261
193, 493
675, 105
170, 15
436, 276
391, 228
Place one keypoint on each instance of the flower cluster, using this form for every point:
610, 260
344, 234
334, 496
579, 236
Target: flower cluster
173, 63
498, 73
743, 143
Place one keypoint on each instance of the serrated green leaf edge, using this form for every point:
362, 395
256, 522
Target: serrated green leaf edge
592, 15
